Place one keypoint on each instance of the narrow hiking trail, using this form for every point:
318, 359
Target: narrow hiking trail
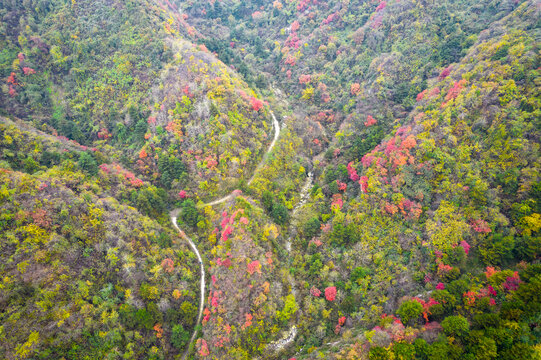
176, 212
276, 125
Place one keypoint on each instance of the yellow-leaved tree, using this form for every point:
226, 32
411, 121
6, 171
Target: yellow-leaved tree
447, 227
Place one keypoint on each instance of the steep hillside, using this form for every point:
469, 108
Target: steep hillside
117, 76
343, 60
132, 118
85, 274
444, 212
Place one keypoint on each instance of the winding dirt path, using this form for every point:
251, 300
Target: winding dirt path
174, 216
276, 125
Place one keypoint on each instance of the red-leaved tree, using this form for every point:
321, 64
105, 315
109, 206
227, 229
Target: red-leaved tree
330, 293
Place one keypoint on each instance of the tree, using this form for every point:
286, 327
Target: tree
256, 104
496, 249
128, 316
530, 294
330, 293
517, 351
455, 325
403, 351
179, 337
171, 168
410, 311
50, 158
312, 227
355, 89
359, 273
189, 214
344, 235
149, 292
447, 227
290, 308
421, 348
144, 319
279, 214
485, 349
30, 165
150, 201
188, 312
315, 265
176, 167
166, 179
378, 353
88, 164
438, 351
140, 129
267, 200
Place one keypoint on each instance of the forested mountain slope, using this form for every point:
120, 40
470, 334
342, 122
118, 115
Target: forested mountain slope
111, 118
84, 274
442, 213
396, 217
344, 60
115, 75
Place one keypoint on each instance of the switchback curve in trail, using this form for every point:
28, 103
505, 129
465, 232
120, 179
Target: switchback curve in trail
175, 213
276, 125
